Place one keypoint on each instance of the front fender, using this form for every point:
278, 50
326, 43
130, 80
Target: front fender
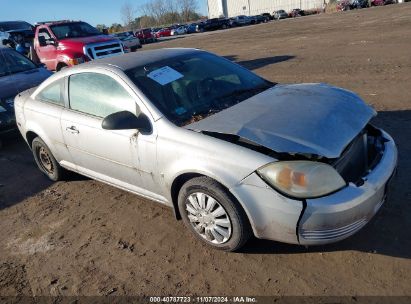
185, 151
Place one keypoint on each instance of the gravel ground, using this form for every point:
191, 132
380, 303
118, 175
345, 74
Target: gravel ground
81, 237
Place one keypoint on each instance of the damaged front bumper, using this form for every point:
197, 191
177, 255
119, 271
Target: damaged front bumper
317, 221
339, 215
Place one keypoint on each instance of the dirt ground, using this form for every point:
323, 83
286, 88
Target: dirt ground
81, 237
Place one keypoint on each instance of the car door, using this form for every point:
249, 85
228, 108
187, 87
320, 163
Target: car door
125, 158
47, 52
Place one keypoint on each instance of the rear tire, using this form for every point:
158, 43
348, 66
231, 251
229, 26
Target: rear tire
213, 215
46, 161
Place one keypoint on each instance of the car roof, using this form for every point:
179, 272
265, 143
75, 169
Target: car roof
140, 58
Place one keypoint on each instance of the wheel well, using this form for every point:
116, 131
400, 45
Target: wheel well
30, 136
175, 189
181, 180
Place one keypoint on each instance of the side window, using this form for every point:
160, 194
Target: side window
53, 93
44, 33
99, 95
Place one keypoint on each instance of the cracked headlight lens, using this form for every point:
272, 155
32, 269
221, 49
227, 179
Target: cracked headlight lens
302, 179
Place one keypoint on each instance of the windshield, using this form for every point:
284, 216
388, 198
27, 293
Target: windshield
12, 62
191, 87
14, 25
74, 30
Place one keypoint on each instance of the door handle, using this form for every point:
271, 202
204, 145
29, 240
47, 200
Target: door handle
73, 130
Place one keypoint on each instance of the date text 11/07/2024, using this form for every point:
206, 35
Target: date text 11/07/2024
199, 299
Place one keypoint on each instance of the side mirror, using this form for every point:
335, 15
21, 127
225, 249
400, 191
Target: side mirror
42, 41
51, 41
126, 120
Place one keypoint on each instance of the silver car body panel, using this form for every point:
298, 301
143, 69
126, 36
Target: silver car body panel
149, 164
272, 215
290, 119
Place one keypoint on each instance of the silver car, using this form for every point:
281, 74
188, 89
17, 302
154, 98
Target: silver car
130, 42
233, 154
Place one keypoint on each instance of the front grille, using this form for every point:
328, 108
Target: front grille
105, 47
102, 50
328, 234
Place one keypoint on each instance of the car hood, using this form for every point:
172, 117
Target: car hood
303, 118
11, 85
80, 42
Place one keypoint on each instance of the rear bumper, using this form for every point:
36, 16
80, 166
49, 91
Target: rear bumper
337, 216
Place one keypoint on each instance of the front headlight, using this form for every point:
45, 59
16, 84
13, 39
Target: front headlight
2, 109
302, 179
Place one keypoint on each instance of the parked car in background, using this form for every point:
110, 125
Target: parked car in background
258, 19
357, 4
181, 30
268, 16
17, 34
297, 12
130, 42
344, 5
164, 32
241, 20
213, 141
383, 2
17, 74
61, 44
146, 35
280, 14
215, 24
386, 2
192, 28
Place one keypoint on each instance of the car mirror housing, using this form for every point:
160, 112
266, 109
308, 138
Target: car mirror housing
42, 41
126, 120
51, 41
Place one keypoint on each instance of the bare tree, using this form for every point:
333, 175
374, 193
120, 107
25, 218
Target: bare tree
187, 7
127, 15
164, 12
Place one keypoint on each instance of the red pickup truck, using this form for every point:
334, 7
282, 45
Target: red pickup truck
60, 44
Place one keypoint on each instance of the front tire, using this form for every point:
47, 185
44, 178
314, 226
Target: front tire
46, 161
213, 215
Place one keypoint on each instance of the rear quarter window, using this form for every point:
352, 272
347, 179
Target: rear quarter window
53, 93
